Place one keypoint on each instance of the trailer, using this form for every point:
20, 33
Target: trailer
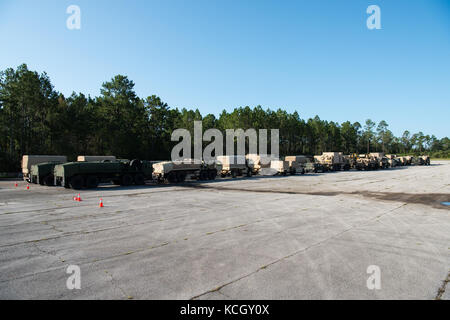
78, 175
176, 172
42, 173
30, 160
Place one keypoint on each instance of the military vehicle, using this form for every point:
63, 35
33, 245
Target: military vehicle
29, 160
332, 161
259, 163
78, 175
410, 160
235, 166
383, 161
392, 162
401, 161
42, 173
425, 160
95, 158
174, 172
279, 167
297, 163
364, 162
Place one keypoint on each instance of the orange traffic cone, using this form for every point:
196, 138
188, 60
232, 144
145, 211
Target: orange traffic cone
16, 185
79, 198
28, 186
75, 198
100, 205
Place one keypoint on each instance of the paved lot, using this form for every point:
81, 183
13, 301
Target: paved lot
295, 237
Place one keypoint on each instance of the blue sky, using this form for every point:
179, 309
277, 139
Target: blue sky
316, 57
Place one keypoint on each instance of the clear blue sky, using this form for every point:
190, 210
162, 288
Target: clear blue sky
316, 57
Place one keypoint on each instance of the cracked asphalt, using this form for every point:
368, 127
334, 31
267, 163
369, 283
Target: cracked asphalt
294, 237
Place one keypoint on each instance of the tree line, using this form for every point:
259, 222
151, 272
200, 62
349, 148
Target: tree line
36, 119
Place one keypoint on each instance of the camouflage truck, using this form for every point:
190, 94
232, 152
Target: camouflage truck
29, 160
401, 161
425, 160
332, 161
78, 175
235, 166
259, 163
42, 173
410, 160
296, 163
392, 162
383, 161
95, 158
176, 172
365, 162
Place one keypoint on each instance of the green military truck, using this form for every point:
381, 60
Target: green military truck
42, 173
78, 175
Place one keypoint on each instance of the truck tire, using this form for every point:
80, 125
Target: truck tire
172, 177
249, 173
76, 182
233, 174
92, 182
49, 180
212, 175
181, 176
126, 180
139, 179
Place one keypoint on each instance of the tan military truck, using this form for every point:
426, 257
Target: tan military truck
332, 161
401, 161
297, 163
30, 160
279, 167
95, 158
392, 160
234, 166
258, 163
174, 172
425, 160
365, 162
383, 161
410, 160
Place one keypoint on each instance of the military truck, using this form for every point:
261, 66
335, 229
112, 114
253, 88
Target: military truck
279, 167
175, 172
392, 162
410, 160
235, 166
401, 161
383, 161
95, 158
365, 162
259, 163
42, 173
332, 161
78, 175
425, 160
297, 163
29, 160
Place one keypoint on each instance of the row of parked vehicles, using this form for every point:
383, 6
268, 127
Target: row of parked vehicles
90, 171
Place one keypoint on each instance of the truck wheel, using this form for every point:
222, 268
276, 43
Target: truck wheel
92, 182
77, 182
126, 180
203, 175
49, 181
212, 175
172, 177
139, 179
233, 174
181, 176
249, 173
